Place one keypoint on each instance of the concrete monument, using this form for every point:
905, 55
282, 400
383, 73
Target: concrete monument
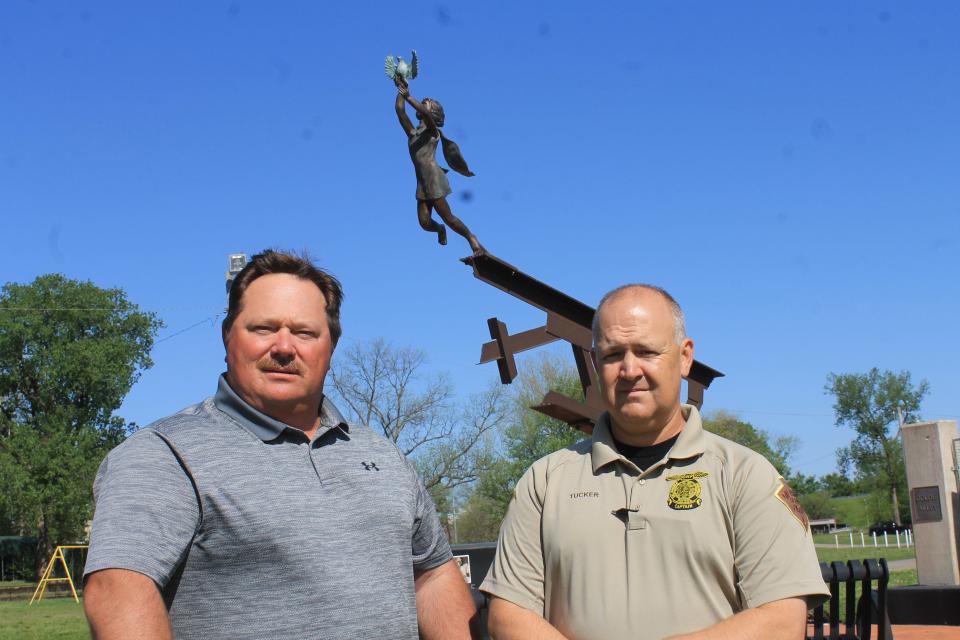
928, 449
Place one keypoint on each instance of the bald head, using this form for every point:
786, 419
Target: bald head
642, 290
641, 357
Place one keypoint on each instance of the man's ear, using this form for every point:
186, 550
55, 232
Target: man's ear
225, 338
686, 356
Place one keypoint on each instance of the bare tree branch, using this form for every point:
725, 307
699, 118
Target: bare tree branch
386, 388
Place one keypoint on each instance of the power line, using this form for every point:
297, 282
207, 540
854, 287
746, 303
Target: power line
945, 415
211, 319
782, 413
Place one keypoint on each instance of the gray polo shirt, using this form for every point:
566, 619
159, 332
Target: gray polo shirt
252, 531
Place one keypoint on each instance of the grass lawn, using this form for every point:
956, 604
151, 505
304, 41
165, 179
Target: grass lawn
829, 554
58, 619
903, 578
10, 584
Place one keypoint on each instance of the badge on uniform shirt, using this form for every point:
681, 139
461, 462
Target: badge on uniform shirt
785, 495
685, 492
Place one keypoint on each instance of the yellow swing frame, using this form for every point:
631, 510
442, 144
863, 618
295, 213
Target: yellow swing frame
46, 579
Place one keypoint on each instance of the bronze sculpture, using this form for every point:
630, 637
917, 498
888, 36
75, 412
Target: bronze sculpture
432, 184
396, 65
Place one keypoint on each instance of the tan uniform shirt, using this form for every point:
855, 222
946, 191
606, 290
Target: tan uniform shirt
708, 531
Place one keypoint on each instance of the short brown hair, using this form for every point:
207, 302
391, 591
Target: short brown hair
271, 261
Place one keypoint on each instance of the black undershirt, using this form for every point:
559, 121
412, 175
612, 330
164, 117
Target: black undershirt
643, 457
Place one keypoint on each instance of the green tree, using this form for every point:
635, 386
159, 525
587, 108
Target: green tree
868, 403
479, 520
732, 428
526, 436
69, 353
804, 484
818, 505
838, 484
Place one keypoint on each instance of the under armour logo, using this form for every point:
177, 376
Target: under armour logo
370, 466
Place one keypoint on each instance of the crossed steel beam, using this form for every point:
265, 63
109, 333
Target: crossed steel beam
567, 319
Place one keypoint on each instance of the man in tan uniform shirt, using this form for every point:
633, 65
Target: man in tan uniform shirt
702, 540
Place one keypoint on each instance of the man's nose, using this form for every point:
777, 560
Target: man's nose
282, 344
630, 367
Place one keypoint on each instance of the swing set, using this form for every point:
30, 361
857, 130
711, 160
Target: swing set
58, 556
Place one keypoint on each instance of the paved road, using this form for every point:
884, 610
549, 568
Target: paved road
902, 565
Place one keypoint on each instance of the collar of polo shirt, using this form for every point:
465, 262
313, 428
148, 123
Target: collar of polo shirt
260, 424
690, 443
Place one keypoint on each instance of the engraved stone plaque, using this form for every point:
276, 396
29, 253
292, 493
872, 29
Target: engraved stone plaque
926, 504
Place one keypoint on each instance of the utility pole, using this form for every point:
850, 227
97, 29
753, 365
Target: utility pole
452, 520
896, 501
235, 264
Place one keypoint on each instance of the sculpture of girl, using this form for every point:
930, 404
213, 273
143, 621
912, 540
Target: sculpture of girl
432, 185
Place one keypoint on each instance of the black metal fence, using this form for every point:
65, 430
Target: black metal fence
851, 611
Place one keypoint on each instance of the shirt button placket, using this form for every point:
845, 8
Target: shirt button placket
311, 454
637, 502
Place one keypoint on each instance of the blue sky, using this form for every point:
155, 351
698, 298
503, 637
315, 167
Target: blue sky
788, 170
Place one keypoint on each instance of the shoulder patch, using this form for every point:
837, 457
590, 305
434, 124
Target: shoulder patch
785, 495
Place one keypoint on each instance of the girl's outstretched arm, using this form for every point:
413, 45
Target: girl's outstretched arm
404, 91
401, 110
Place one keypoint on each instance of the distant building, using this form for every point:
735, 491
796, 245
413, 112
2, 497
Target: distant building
825, 525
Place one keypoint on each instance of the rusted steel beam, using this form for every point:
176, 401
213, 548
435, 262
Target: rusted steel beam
567, 319
694, 393
570, 331
508, 278
505, 363
523, 341
588, 376
577, 414
702, 374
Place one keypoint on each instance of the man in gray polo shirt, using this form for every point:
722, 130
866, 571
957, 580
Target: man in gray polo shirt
260, 512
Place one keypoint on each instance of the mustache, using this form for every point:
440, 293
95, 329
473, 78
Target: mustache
269, 363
